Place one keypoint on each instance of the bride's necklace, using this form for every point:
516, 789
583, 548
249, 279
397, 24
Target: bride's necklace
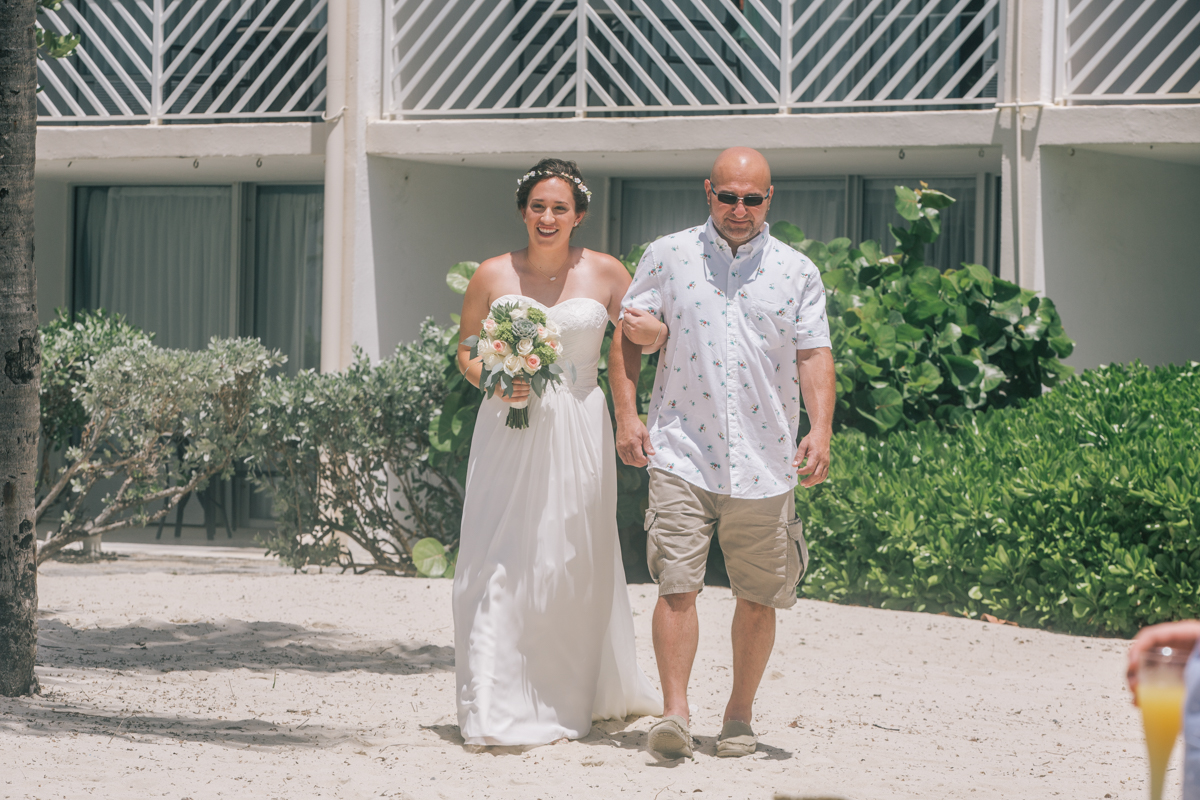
553, 277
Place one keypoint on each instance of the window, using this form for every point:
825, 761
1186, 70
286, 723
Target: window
188, 263
650, 208
286, 279
954, 246
825, 209
160, 255
180, 262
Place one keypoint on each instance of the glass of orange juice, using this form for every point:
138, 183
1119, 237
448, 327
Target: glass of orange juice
1160, 691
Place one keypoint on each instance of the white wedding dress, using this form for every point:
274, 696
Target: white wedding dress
543, 632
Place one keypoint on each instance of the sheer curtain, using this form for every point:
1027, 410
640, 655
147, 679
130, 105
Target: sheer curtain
288, 240
650, 208
160, 255
955, 245
817, 207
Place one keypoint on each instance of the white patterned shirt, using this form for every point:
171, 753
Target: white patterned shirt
726, 404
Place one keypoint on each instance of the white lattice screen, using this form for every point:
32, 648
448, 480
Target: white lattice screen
148, 60
640, 57
1129, 50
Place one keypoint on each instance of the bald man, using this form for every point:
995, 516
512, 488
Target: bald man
740, 320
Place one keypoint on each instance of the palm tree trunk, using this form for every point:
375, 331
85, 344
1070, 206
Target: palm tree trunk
20, 349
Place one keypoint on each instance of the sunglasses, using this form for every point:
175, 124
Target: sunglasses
731, 199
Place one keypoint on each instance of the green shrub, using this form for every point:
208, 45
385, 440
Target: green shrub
69, 349
911, 343
1076, 512
161, 423
347, 457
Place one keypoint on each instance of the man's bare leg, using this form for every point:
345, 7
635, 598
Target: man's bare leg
753, 635
676, 636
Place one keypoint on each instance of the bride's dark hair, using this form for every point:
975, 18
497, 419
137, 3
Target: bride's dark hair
554, 168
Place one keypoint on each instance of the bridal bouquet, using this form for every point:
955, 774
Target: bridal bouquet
517, 341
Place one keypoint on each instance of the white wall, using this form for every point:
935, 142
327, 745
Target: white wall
427, 217
1122, 256
51, 236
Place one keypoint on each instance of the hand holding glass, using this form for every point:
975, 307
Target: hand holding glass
1160, 693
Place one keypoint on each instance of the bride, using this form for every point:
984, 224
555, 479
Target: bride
543, 632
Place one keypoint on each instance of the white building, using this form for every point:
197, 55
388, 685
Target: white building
307, 170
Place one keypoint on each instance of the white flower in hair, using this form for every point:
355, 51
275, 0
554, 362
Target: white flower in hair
534, 173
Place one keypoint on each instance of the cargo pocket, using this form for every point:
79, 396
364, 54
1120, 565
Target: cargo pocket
653, 553
797, 552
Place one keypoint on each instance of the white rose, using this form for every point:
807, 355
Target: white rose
552, 326
518, 313
490, 327
558, 347
490, 360
513, 364
525, 347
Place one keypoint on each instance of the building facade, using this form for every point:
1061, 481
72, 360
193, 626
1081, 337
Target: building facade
307, 170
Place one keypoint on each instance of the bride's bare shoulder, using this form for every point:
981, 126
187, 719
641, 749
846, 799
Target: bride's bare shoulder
496, 266
604, 266
496, 275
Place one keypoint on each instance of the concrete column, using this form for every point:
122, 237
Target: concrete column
335, 177
1029, 88
348, 304
364, 98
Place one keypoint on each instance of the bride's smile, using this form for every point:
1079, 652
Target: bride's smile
550, 214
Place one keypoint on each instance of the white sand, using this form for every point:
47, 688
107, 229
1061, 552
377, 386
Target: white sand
208, 677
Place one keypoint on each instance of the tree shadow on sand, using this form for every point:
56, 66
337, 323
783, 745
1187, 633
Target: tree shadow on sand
231, 644
47, 716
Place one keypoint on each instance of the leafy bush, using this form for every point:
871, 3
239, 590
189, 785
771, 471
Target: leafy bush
69, 349
1077, 512
911, 343
336, 448
161, 422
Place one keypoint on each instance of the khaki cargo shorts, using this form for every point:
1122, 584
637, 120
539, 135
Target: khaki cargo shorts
763, 543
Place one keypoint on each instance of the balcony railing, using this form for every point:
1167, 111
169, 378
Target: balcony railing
1128, 51
186, 60
450, 58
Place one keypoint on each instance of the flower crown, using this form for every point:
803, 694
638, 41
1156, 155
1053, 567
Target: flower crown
545, 173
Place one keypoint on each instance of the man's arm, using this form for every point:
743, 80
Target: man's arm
817, 383
624, 368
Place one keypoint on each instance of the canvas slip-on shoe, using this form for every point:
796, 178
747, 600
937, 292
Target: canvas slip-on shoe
736, 739
669, 738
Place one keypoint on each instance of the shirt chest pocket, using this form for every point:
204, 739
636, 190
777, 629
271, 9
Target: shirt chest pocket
773, 323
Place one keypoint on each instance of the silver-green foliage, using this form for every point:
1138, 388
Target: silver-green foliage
1078, 511
346, 456
160, 422
69, 348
